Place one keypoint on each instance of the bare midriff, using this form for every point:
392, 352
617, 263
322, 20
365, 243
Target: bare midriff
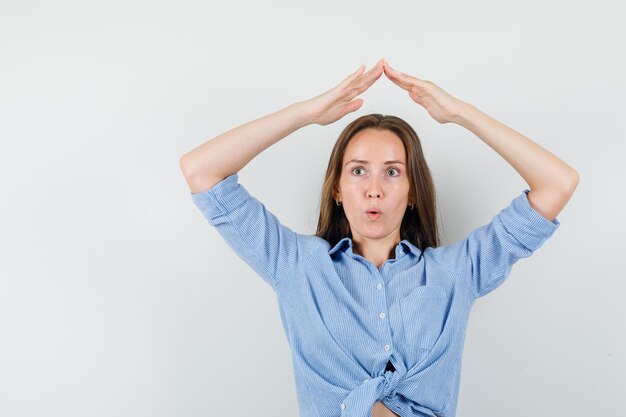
380, 410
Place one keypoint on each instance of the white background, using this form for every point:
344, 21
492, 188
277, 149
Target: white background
118, 299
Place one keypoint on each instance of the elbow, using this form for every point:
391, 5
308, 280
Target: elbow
185, 166
567, 182
573, 180
563, 183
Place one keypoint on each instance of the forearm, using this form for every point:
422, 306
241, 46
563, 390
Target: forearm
229, 152
539, 167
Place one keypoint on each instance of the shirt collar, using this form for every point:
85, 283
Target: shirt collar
404, 247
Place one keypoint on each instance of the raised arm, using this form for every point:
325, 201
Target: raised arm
551, 181
226, 154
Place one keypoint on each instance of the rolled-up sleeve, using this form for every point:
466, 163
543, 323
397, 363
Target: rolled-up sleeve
485, 257
253, 232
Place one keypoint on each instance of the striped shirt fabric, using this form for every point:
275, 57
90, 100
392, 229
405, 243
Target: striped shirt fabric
360, 334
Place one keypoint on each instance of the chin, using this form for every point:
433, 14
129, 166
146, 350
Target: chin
374, 234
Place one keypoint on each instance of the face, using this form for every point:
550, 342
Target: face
374, 184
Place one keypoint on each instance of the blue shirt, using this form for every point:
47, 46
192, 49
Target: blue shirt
345, 319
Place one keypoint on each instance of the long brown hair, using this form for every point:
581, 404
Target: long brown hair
419, 226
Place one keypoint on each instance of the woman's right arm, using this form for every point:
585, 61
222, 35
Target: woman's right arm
228, 153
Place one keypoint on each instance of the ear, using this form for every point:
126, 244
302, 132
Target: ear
336, 195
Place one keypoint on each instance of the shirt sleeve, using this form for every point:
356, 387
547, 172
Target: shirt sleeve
252, 232
485, 257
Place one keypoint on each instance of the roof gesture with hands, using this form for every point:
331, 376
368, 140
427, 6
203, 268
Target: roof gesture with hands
335, 103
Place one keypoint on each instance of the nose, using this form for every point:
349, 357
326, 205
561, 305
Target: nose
373, 190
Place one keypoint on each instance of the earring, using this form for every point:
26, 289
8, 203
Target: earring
338, 202
411, 206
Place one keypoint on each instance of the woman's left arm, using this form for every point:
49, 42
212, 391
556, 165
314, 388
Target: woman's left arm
551, 181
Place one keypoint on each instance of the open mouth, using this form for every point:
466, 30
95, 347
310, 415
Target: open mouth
373, 214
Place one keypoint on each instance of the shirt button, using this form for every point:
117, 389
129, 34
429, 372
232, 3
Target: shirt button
343, 406
386, 347
379, 286
382, 315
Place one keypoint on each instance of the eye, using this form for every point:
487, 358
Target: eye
357, 169
393, 172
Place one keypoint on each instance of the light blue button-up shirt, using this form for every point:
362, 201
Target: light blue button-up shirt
345, 319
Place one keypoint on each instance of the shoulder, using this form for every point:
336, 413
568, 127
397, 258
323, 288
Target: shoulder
313, 243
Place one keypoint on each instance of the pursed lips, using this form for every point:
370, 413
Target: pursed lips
373, 213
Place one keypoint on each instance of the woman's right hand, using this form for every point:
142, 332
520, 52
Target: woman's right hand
338, 101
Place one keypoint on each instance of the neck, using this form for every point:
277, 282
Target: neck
377, 251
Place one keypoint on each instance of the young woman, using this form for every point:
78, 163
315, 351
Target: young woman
374, 310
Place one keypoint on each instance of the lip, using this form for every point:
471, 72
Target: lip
373, 216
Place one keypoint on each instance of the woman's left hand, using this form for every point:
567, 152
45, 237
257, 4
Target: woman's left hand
441, 106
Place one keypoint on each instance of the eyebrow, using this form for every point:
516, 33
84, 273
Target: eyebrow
361, 161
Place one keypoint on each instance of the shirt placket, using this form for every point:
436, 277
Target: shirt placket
380, 281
